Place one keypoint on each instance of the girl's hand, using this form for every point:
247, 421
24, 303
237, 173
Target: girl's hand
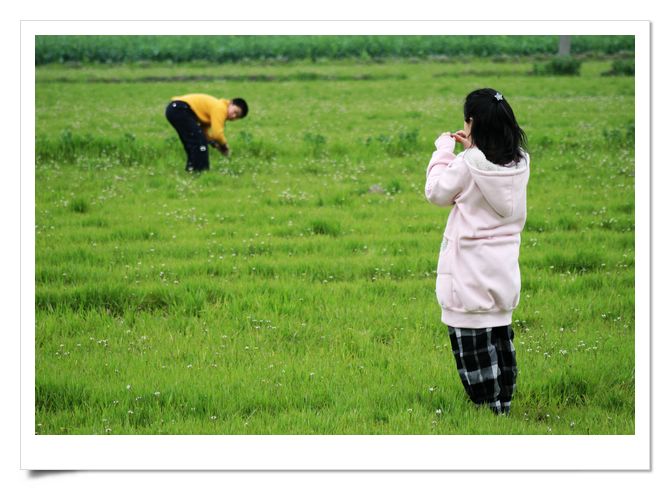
462, 138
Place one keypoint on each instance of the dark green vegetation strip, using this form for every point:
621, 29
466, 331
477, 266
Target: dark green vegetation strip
105, 49
299, 76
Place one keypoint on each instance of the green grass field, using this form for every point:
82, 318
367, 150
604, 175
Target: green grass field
290, 290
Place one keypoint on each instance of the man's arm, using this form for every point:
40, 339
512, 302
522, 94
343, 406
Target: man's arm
217, 120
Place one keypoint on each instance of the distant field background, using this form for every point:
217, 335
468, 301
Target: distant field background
290, 290
106, 49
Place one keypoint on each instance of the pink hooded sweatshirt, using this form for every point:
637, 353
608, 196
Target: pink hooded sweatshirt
478, 280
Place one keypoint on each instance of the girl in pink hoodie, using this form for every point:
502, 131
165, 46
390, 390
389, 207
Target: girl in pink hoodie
478, 280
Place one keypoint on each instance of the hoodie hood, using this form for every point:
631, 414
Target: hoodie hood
502, 187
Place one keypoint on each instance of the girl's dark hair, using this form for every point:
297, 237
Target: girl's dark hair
494, 128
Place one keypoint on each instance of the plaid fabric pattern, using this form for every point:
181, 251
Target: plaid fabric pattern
486, 363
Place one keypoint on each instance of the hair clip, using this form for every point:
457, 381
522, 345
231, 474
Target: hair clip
498, 96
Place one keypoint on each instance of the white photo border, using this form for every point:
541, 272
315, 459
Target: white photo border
340, 452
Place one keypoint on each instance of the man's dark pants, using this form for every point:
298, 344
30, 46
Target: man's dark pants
187, 125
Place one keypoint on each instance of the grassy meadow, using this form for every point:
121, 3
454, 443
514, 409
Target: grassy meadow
290, 290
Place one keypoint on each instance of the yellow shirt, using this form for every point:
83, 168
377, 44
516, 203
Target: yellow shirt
211, 112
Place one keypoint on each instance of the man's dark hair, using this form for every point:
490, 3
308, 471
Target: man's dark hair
242, 104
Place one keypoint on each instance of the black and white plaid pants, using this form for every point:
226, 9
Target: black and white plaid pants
486, 363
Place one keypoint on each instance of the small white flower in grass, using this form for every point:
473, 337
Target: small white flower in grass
572, 424
130, 412
157, 393
409, 410
438, 411
127, 387
213, 417
431, 389
189, 366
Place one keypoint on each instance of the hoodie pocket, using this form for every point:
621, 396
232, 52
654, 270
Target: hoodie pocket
488, 275
444, 291
444, 284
